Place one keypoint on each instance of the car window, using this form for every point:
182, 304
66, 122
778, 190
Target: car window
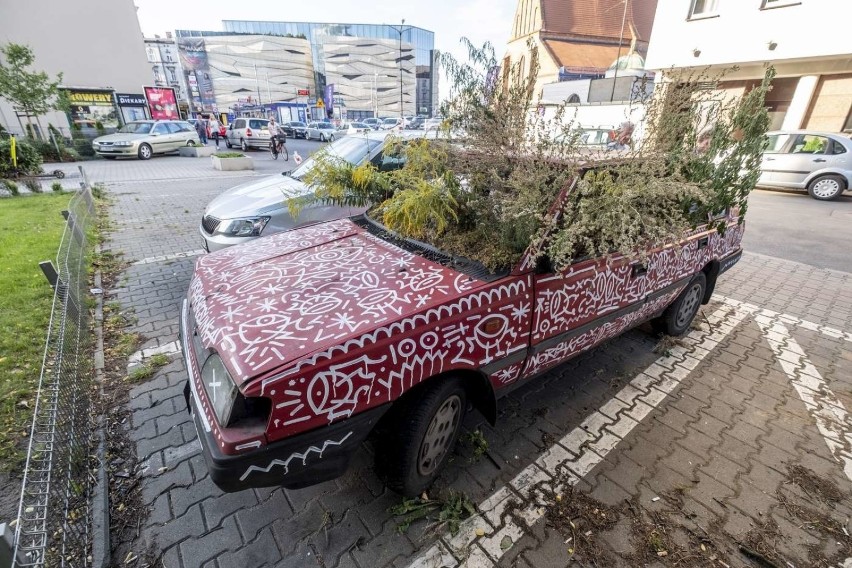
392, 157
160, 128
810, 144
353, 149
136, 128
240, 123
258, 124
297, 123
173, 127
776, 143
837, 147
184, 126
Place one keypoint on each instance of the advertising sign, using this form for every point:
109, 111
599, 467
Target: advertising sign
162, 103
303, 92
126, 99
196, 68
328, 99
92, 108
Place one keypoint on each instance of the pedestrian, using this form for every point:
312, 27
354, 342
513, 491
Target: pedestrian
213, 124
201, 129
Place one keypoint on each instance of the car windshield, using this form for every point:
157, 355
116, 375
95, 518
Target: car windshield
390, 121
298, 123
325, 125
136, 128
354, 150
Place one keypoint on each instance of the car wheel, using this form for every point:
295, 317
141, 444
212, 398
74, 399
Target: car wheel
826, 188
422, 429
228, 143
322, 138
243, 145
145, 152
331, 138
190, 143
678, 317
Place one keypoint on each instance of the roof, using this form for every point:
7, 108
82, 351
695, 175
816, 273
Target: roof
598, 18
582, 55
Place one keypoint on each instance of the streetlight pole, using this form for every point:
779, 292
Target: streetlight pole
257, 86
400, 29
617, 59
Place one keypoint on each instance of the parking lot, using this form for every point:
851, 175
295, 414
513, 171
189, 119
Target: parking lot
731, 447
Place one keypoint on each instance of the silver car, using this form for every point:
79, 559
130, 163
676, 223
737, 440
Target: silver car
820, 162
324, 131
260, 208
248, 133
144, 138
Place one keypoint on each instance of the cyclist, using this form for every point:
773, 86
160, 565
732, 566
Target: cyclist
277, 134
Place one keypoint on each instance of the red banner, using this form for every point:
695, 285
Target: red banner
162, 102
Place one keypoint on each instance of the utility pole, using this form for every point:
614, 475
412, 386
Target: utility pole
400, 29
257, 85
620, 41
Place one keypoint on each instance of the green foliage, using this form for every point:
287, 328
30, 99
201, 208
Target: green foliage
83, 147
31, 91
56, 186
229, 155
47, 150
450, 512
33, 185
29, 160
11, 186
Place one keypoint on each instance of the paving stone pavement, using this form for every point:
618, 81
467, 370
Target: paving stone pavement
701, 434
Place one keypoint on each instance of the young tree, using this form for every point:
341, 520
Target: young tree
30, 92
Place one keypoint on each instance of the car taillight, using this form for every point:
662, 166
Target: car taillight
248, 131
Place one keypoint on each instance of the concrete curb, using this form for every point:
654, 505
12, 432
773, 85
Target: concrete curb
100, 494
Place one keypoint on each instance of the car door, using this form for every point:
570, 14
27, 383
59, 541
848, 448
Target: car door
804, 154
776, 145
236, 132
160, 138
176, 136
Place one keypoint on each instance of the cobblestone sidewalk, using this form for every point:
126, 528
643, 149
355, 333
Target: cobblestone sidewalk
735, 439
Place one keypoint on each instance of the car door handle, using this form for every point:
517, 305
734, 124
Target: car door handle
819, 160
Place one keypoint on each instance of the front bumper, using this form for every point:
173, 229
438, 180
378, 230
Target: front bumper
218, 241
299, 461
119, 151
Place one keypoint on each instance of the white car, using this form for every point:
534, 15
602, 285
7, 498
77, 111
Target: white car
391, 123
820, 162
354, 128
323, 131
248, 133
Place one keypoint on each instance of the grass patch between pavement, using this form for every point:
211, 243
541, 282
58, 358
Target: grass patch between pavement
30, 230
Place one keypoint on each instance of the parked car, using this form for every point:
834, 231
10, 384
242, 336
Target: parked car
373, 123
432, 123
298, 345
295, 128
416, 123
323, 131
819, 162
391, 123
354, 128
589, 137
144, 138
248, 211
248, 133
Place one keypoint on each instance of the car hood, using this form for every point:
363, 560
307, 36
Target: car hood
120, 137
266, 304
256, 197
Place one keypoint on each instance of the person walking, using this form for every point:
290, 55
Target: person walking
201, 129
213, 125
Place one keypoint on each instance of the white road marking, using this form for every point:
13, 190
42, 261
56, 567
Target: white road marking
165, 257
788, 319
580, 450
138, 357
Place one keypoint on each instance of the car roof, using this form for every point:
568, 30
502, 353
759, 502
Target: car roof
811, 132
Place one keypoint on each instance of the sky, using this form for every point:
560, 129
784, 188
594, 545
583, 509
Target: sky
478, 20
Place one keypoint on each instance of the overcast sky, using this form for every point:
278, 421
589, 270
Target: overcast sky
478, 20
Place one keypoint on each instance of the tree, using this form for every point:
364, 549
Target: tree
31, 92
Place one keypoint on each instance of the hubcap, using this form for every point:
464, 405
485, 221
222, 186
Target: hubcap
689, 306
145, 151
826, 188
438, 436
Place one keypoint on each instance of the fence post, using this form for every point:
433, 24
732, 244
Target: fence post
7, 546
85, 183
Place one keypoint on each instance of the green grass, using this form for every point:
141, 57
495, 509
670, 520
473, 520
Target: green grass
30, 229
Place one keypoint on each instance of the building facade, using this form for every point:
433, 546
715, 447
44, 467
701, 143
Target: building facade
165, 65
807, 43
368, 65
575, 39
60, 35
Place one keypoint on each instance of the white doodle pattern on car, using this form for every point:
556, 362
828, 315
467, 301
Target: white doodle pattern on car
295, 455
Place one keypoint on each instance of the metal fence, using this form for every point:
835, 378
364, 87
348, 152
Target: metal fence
53, 526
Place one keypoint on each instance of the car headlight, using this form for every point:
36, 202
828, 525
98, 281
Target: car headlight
220, 388
251, 227
123, 144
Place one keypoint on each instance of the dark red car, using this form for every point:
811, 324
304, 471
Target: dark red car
299, 344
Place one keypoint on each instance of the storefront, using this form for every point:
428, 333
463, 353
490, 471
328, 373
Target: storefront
132, 106
92, 110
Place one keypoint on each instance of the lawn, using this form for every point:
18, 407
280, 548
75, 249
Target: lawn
30, 229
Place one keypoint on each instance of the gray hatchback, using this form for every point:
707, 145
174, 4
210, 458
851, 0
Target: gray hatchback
802, 159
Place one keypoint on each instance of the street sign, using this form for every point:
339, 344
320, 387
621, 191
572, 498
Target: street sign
303, 92
320, 104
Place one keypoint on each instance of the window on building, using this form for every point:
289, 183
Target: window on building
704, 9
172, 75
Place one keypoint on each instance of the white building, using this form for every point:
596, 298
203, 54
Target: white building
96, 44
806, 40
165, 64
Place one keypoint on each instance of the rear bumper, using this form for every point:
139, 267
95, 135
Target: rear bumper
729, 261
295, 462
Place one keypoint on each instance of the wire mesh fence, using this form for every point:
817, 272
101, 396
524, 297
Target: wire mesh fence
53, 526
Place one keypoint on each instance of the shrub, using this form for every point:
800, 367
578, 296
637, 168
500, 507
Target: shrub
33, 185
48, 152
229, 155
29, 160
56, 187
83, 147
11, 186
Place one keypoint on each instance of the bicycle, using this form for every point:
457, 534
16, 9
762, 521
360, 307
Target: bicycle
280, 148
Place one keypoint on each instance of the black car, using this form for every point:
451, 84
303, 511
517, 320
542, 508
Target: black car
295, 128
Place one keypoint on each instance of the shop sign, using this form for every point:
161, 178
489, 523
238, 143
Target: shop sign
125, 99
90, 98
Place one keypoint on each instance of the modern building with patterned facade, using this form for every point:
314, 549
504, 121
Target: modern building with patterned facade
365, 62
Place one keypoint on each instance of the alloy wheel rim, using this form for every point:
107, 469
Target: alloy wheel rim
688, 307
145, 152
826, 188
438, 436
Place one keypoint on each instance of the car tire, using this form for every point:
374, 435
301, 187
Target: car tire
677, 318
331, 138
228, 143
322, 138
243, 145
827, 187
190, 143
419, 435
145, 152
